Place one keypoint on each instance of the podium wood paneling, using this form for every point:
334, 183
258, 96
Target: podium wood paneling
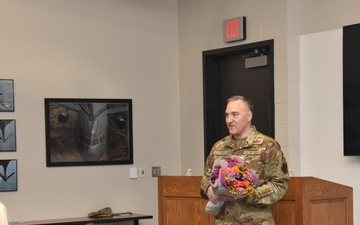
313, 201
180, 201
308, 201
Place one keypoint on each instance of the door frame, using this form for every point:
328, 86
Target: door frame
211, 88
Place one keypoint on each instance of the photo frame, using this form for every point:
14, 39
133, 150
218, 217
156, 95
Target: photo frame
7, 95
8, 135
9, 175
82, 132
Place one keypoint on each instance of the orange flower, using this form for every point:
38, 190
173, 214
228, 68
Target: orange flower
235, 169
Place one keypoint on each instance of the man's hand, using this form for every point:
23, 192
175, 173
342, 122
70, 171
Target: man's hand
239, 198
210, 195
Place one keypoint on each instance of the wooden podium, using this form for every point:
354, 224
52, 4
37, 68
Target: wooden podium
308, 201
312, 201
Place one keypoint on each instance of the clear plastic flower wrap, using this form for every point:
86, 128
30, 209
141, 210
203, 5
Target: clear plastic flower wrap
230, 177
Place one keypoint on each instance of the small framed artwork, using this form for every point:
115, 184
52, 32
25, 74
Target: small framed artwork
7, 135
82, 132
8, 174
7, 95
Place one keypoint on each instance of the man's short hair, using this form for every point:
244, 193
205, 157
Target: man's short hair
242, 98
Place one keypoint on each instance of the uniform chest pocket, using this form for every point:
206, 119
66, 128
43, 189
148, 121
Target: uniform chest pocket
255, 164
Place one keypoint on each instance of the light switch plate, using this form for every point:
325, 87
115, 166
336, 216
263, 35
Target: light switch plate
156, 171
142, 172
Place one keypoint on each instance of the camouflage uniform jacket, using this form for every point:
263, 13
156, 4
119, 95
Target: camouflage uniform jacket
264, 157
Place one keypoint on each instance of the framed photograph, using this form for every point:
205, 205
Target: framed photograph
7, 136
7, 95
81, 132
8, 174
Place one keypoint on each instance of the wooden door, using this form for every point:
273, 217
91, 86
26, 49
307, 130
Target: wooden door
226, 74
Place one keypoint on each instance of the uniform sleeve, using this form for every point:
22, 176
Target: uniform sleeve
205, 181
275, 181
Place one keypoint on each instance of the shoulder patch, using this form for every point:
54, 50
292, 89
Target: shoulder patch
258, 140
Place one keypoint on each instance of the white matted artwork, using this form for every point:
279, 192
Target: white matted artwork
7, 95
8, 135
8, 175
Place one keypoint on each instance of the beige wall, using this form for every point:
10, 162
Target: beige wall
90, 49
133, 49
318, 16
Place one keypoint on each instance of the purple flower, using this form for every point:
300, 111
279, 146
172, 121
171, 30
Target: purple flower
252, 177
215, 174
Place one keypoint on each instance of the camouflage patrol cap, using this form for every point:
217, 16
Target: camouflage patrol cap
105, 212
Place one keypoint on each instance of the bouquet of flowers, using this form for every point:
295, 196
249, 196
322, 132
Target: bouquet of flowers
230, 177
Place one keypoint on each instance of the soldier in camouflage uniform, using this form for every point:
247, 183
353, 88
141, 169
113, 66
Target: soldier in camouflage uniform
262, 155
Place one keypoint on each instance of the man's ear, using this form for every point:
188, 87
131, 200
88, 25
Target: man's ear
249, 116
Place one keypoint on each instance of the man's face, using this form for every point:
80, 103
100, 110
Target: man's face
238, 119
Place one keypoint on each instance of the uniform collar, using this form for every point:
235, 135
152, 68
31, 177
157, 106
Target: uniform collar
249, 140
